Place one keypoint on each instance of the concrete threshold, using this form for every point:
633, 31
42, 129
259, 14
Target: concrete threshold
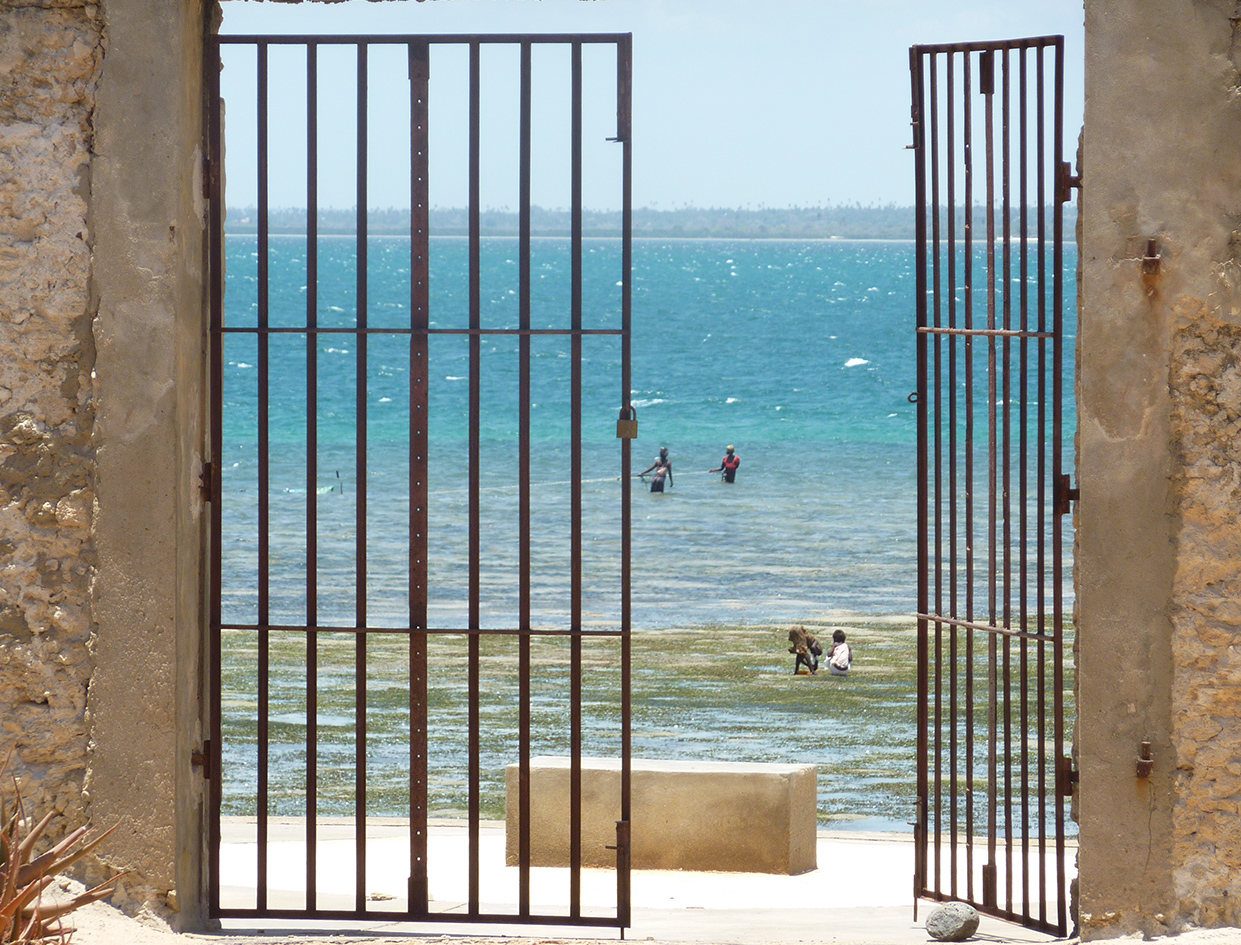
861, 892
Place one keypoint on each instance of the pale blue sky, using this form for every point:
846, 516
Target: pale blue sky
736, 102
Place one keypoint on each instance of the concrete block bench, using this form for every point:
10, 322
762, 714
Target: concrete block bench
685, 815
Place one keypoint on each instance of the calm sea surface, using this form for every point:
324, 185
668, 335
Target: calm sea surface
800, 354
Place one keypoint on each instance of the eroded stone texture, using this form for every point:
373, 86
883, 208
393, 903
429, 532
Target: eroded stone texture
1206, 413
49, 63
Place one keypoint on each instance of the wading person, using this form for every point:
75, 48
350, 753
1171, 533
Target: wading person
806, 650
728, 465
840, 656
662, 468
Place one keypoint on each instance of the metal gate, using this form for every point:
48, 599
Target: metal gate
340, 624
992, 775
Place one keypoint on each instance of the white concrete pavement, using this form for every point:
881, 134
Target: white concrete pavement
861, 891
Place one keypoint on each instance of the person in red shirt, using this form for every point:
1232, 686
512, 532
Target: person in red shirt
728, 466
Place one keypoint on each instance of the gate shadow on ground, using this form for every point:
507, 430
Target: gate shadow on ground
861, 891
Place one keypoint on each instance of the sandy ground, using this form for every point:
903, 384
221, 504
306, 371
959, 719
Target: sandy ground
102, 924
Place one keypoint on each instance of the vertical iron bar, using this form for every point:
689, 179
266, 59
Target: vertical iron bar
937, 252
216, 354
1041, 454
1057, 273
624, 131
1006, 477
967, 153
312, 473
264, 493
419, 420
524, 482
1023, 495
360, 492
920, 265
575, 538
953, 739
987, 77
476, 368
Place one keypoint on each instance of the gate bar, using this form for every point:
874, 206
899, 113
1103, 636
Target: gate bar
921, 388
475, 618
360, 493
967, 117
419, 417
953, 514
312, 474
987, 87
524, 656
264, 490
215, 347
937, 274
1041, 555
575, 538
404, 39
624, 132
1023, 485
1006, 152
1057, 275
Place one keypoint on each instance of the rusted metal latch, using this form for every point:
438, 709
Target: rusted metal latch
1066, 776
1146, 762
1068, 182
1066, 494
201, 758
1152, 259
205, 482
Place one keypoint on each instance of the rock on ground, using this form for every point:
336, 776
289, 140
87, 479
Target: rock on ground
952, 922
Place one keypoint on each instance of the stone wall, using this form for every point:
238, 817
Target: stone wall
102, 327
1206, 641
50, 59
1159, 398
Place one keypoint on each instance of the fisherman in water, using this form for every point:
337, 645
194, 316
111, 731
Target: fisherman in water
662, 467
728, 466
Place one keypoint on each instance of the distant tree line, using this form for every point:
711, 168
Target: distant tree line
831, 222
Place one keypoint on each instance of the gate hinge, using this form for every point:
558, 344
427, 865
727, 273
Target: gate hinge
205, 482
1066, 776
202, 759
1066, 494
1068, 182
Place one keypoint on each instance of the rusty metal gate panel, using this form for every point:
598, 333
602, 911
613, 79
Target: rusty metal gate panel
990, 182
272, 695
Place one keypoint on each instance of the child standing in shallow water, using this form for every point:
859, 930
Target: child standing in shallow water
839, 657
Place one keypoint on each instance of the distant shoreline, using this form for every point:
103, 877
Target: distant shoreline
249, 230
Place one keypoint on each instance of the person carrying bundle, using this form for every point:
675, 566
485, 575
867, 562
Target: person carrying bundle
806, 649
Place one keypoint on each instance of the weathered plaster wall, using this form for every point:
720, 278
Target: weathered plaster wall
149, 217
50, 57
1159, 410
101, 405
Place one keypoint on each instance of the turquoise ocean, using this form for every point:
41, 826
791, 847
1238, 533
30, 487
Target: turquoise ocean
799, 354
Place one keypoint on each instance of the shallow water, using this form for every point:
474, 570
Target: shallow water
708, 693
800, 354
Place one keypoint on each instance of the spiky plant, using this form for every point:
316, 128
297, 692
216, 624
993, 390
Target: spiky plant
24, 915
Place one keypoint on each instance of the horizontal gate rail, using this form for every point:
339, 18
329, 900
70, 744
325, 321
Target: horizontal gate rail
986, 627
988, 141
453, 631
436, 39
269, 336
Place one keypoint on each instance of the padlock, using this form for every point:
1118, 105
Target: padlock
627, 425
